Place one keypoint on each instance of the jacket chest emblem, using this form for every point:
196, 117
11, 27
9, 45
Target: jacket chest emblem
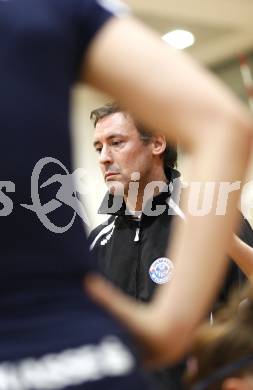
161, 270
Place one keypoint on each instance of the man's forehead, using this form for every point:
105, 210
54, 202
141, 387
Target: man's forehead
115, 118
116, 122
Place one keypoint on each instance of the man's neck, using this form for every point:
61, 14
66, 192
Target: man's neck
136, 203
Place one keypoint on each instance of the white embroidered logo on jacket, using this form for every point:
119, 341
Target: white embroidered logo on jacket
161, 270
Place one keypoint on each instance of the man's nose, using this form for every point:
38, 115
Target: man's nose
105, 156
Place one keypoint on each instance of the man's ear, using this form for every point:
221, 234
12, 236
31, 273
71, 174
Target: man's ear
158, 144
234, 383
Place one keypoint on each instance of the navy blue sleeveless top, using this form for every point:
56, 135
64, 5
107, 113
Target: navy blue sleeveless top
42, 306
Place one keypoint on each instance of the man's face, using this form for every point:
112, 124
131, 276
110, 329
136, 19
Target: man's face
121, 151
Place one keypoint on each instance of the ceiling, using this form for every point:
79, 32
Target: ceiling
223, 28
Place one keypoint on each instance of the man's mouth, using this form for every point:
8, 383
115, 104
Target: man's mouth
110, 175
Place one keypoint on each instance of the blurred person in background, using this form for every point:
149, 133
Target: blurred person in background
222, 355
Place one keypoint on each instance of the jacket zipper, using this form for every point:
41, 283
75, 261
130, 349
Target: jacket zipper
137, 239
137, 234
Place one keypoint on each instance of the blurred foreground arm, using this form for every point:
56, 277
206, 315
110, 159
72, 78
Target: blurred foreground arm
171, 93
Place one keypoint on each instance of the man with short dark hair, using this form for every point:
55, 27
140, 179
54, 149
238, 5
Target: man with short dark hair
170, 153
138, 169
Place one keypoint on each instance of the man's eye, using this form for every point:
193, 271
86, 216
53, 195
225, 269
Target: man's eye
116, 143
98, 150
